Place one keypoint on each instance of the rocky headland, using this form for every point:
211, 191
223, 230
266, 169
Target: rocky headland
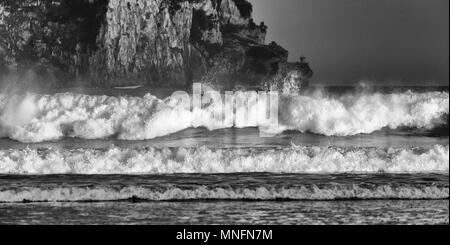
107, 43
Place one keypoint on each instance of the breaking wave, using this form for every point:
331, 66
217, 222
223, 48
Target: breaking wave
37, 118
295, 159
312, 192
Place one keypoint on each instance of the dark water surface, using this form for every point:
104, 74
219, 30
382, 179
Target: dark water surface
384, 212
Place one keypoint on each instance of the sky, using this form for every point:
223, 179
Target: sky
387, 42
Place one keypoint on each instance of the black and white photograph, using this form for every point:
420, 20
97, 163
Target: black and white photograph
225, 113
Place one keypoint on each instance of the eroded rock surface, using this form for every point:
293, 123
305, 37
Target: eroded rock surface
148, 42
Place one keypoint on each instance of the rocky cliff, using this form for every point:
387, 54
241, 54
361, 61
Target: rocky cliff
148, 42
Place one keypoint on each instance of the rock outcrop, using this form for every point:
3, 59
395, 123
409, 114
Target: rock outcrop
148, 42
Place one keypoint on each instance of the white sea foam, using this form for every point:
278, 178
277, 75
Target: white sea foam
364, 113
37, 118
314, 192
295, 159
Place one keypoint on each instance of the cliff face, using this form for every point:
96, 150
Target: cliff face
148, 42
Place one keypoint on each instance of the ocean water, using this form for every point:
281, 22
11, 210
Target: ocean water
337, 156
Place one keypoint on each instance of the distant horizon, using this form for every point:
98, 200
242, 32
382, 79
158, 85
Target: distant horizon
385, 42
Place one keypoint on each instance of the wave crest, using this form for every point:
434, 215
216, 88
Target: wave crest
37, 118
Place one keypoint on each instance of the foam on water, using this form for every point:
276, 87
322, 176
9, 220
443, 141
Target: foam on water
295, 159
313, 192
37, 118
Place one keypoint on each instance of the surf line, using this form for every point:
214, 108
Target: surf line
233, 108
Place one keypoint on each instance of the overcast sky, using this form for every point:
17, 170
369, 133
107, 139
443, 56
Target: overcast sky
345, 41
